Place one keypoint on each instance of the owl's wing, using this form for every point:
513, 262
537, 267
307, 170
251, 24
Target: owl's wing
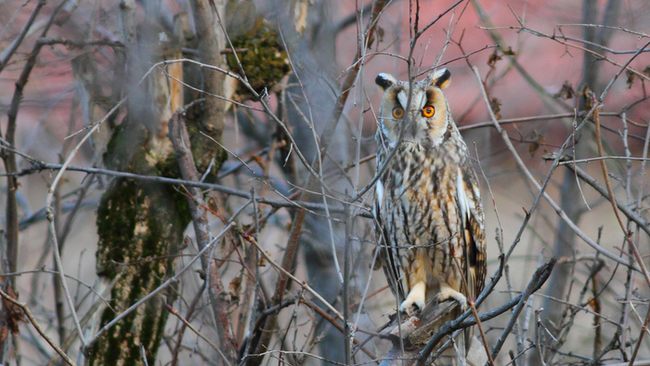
469, 201
389, 251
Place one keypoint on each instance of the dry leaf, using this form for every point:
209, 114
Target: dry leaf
186, 242
258, 160
380, 33
566, 92
212, 204
235, 287
537, 141
509, 52
495, 104
261, 262
3, 334
492, 60
592, 303
14, 314
630, 78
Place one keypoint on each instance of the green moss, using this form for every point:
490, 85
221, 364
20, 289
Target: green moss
265, 63
115, 226
140, 226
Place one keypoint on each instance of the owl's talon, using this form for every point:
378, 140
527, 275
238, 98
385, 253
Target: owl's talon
447, 293
412, 308
414, 303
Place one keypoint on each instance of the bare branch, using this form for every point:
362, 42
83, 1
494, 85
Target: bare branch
541, 188
38, 328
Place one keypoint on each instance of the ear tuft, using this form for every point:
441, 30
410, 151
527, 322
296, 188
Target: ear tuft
385, 81
441, 78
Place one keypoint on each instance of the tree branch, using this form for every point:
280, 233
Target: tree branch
180, 139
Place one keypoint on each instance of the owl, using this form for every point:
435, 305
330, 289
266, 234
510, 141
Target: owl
429, 219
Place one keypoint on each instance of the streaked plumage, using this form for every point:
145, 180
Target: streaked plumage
427, 202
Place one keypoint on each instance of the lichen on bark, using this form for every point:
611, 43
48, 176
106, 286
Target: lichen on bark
140, 226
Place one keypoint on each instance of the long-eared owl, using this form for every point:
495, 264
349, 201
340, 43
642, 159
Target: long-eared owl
429, 219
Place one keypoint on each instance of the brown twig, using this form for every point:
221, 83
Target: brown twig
542, 188
38, 328
472, 306
643, 225
539, 278
229, 51
9, 51
598, 339
280, 269
180, 139
262, 340
635, 250
190, 312
187, 324
480, 329
338, 326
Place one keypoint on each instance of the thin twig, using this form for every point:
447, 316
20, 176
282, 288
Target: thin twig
278, 203
597, 55
38, 328
524, 297
643, 225
301, 283
539, 278
187, 324
541, 188
338, 326
635, 251
157, 290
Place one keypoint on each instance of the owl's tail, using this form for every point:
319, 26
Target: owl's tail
474, 351
463, 344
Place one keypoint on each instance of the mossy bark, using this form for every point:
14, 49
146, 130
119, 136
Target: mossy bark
141, 224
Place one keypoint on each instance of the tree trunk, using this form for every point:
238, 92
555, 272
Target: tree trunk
141, 224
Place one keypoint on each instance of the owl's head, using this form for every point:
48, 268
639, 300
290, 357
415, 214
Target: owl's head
425, 121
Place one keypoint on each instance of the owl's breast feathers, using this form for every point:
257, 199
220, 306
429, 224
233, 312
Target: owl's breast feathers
428, 208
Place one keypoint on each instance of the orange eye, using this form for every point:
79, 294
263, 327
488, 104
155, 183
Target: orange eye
428, 111
398, 112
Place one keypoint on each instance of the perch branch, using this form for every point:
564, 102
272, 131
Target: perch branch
539, 278
78, 44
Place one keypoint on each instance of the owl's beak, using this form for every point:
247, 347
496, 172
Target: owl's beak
413, 128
